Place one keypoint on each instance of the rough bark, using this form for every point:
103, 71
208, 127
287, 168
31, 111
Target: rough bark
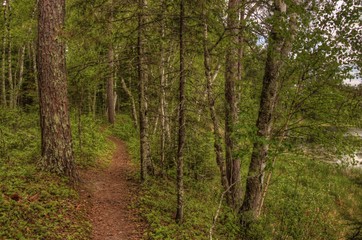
56, 138
231, 76
278, 49
142, 78
181, 120
215, 122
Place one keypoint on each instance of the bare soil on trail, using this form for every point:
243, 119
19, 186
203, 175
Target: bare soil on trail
107, 194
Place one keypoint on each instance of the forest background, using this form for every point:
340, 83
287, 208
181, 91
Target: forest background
235, 112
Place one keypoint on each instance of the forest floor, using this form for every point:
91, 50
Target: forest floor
108, 194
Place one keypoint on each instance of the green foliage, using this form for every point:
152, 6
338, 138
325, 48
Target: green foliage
308, 199
35, 204
158, 205
19, 134
89, 142
125, 130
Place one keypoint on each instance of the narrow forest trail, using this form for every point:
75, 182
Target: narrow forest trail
107, 194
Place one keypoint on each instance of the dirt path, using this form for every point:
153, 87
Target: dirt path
107, 194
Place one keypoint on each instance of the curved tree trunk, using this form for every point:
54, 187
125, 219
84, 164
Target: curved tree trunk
56, 138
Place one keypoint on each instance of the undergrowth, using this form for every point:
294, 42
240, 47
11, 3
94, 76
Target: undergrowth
307, 199
310, 199
35, 204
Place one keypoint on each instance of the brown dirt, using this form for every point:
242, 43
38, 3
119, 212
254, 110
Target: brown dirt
108, 194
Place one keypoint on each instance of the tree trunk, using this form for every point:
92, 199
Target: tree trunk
3, 61
19, 82
240, 51
215, 122
143, 77
56, 138
94, 102
35, 68
163, 89
231, 76
10, 71
134, 110
181, 121
111, 110
111, 113
278, 49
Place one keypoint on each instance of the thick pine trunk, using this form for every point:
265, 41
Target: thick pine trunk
278, 49
231, 76
56, 138
181, 121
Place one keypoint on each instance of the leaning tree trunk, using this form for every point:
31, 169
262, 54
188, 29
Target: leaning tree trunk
181, 121
278, 49
56, 138
215, 122
231, 75
133, 102
142, 78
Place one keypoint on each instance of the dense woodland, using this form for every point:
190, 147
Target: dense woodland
236, 114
